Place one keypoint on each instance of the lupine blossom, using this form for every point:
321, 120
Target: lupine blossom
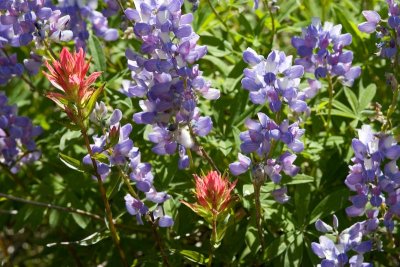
165, 76
320, 49
80, 14
352, 242
386, 30
17, 134
273, 79
374, 175
117, 150
276, 81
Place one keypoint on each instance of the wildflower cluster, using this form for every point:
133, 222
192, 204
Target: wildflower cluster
320, 49
353, 241
274, 80
387, 30
166, 77
80, 13
17, 134
24, 22
114, 148
374, 176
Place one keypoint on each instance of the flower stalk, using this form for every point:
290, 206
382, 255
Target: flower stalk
77, 99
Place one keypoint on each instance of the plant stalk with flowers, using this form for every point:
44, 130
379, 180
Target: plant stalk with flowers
78, 100
320, 51
273, 80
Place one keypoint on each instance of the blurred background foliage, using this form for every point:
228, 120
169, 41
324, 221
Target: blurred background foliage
40, 236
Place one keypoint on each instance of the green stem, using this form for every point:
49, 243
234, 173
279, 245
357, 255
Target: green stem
49, 50
125, 178
213, 239
113, 230
257, 189
69, 210
273, 30
393, 105
202, 151
330, 94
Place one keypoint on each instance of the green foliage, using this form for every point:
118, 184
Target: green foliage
43, 236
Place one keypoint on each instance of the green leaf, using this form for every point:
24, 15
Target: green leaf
278, 246
342, 107
80, 220
352, 98
366, 95
220, 64
101, 157
92, 101
54, 218
248, 189
97, 53
70, 162
191, 255
300, 179
330, 204
294, 253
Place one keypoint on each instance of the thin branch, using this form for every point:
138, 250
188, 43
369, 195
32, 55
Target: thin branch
51, 206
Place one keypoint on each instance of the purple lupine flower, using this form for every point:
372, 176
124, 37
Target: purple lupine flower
386, 29
273, 79
163, 220
374, 175
166, 76
116, 150
135, 207
80, 13
320, 51
9, 67
349, 242
23, 22
372, 18
17, 134
240, 166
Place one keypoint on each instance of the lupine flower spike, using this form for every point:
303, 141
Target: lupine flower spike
69, 74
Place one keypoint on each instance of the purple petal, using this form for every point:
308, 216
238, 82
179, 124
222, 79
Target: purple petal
367, 27
371, 16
